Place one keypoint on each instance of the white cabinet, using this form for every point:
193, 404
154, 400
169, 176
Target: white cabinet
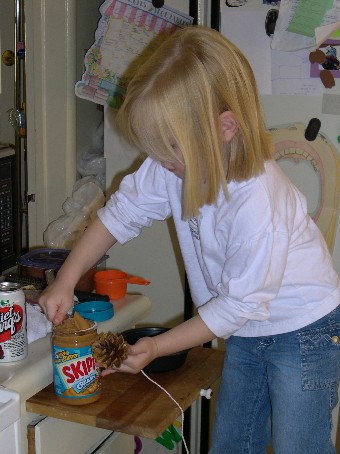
117, 443
9, 421
54, 436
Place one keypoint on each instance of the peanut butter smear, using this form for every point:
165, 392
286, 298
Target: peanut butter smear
74, 323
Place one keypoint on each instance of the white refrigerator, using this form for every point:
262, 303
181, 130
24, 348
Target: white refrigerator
294, 100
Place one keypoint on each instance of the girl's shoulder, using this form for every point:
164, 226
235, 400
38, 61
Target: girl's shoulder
261, 199
272, 181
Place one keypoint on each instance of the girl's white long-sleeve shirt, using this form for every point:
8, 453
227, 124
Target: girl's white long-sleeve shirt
257, 264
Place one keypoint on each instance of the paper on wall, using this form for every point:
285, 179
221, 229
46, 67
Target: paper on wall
285, 40
127, 33
276, 72
323, 33
308, 15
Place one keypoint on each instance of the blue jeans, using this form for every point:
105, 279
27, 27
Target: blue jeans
280, 388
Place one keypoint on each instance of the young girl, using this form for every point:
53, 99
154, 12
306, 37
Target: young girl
258, 267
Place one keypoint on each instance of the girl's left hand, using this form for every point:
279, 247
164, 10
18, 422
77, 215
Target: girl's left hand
139, 355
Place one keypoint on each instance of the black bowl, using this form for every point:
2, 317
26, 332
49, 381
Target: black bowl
163, 363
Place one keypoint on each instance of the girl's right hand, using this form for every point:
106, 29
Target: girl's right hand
139, 355
56, 300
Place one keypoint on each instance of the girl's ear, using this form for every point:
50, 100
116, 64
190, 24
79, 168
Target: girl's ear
228, 125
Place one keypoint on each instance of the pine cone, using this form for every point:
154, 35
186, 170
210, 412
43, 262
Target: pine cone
110, 350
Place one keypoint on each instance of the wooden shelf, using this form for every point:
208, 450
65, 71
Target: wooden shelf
132, 404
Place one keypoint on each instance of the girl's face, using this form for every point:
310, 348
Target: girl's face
177, 167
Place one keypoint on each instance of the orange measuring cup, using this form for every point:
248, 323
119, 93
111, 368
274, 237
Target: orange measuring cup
114, 283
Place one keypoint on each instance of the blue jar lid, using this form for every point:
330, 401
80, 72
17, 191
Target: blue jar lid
99, 311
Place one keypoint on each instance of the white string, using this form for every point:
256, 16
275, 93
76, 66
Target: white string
178, 405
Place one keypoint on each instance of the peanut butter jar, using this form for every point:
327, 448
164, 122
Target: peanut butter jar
75, 375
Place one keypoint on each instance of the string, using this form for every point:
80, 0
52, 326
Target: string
175, 401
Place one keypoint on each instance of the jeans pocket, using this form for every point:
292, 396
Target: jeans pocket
320, 357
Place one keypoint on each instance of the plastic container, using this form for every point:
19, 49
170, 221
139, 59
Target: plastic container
75, 375
36, 262
114, 283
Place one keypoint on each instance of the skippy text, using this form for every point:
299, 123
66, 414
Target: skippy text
75, 369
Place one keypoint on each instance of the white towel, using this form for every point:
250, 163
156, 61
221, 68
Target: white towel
37, 324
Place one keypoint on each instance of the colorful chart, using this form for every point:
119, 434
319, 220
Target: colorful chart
128, 32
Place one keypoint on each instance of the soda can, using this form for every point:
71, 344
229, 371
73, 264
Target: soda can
13, 334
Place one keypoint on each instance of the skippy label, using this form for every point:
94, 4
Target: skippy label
75, 372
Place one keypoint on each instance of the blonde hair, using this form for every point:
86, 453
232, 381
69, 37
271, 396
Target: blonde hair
176, 98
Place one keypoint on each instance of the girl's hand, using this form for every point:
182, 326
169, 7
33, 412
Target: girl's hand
140, 355
56, 300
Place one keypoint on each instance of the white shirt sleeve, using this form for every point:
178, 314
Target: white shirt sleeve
141, 199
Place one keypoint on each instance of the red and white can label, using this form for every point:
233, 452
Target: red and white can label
13, 335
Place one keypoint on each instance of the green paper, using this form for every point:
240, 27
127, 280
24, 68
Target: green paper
308, 15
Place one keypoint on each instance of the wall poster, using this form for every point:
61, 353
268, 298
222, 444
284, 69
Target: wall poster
127, 33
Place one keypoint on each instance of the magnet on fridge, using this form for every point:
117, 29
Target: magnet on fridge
158, 3
327, 78
270, 22
312, 129
235, 3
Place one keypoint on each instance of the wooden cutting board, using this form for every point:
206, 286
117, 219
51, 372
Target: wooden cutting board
132, 404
